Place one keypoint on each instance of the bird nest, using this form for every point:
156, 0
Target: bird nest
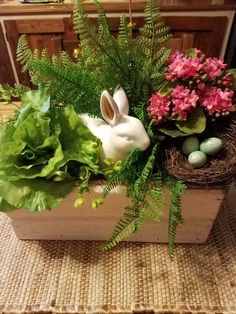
219, 168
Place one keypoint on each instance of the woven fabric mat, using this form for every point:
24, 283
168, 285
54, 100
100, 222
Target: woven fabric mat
76, 277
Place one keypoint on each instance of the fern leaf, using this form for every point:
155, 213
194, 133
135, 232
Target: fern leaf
154, 204
123, 229
175, 215
9, 93
127, 173
69, 85
146, 174
23, 52
153, 33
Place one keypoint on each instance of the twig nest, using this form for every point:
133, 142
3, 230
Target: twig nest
220, 167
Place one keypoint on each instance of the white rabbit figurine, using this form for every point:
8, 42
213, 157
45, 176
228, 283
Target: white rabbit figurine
119, 133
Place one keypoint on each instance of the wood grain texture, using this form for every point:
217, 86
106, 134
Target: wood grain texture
200, 207
199, 32
15, 7
40, 34
13, 37
6, 72
6, 110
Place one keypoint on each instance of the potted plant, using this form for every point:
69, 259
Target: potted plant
57, 141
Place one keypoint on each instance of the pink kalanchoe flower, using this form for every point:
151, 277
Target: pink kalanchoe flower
175, 55
227, 80
183, 100
160, 107
199, 53
216, 100
184, 67
213, 67
201, 86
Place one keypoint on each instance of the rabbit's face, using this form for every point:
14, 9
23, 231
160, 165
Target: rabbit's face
128, 134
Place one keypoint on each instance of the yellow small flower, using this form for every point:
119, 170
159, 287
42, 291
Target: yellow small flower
96, 202
79, 202
76, 53
131, 25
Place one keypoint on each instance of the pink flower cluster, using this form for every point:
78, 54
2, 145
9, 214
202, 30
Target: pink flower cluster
160, 107
183, 99
176, 105
213, 99
184, 67
196, 81
188, 67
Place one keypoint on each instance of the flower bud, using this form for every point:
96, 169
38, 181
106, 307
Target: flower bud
96, 202
79, 202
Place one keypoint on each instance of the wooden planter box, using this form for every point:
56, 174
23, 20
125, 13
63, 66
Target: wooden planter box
200, 207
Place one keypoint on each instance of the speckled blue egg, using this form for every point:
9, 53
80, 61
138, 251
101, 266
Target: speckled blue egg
211, 145
190, 145
197, 159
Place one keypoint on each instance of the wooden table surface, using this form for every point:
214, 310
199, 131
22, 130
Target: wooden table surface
6, 109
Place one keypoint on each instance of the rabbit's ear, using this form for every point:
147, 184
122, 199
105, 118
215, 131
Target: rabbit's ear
121, 100
109, 108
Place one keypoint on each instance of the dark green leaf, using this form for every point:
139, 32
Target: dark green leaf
195, 123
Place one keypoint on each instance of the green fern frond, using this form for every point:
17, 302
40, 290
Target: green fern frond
82, 24
123, 229
88, 34
127, 173
144, 179
69, 85
154, 204
140, 113
8, 93
44, 55
139, 192
23, 52
154, 32
112, 185
103, 27
175, 215
124, 36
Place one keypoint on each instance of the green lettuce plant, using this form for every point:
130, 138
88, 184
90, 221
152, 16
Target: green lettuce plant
40, 150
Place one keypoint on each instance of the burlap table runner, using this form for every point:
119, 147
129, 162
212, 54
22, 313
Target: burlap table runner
76, 277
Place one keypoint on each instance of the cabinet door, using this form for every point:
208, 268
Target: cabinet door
55, 34
203, 32
6, 72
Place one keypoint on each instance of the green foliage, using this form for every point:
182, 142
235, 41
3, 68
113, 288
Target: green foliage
66, 82
126, 174
175, 215
172, 131
9, 93
37, 150
196, 122
25, 54
69, 85
146, 196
